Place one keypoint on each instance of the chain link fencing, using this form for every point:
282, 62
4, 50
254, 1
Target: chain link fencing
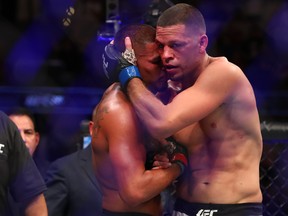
274, 169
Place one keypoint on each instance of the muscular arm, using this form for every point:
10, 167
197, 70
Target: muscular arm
189, 106
37, 207
126, 150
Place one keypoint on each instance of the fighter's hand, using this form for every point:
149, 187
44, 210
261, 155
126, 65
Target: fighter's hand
177, 153
128, 72
129, 54
120, 66
161, 161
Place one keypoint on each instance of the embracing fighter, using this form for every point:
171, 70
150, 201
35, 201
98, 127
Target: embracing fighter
120, 143
214, 116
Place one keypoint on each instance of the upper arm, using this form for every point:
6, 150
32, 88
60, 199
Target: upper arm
126, 149
26, 181
213, 88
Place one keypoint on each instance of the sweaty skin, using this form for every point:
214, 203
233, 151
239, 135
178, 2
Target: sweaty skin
126, 185
120, 144
215, 116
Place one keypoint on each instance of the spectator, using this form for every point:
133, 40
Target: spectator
19, 174
26, 123
72, 186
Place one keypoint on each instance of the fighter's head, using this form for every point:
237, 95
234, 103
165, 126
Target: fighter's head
148, 59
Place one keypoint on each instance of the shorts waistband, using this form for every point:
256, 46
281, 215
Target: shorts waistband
241, 209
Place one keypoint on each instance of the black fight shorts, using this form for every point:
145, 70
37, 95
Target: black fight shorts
108, 213
183, 208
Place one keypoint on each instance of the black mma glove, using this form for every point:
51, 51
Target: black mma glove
177, 153
111, 65
119, 66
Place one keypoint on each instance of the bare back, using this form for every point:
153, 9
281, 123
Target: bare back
118, 141
225, 146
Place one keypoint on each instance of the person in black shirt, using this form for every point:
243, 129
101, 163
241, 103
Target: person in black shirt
19, 174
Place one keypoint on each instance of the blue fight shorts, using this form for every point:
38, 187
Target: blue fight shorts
184, 208
109, 213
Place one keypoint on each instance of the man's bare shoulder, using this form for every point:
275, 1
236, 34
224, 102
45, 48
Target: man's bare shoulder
223, 62
113, 88
220, 61
114, 101
114, 96
222, 68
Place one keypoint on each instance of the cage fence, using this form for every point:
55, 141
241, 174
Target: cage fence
274, 169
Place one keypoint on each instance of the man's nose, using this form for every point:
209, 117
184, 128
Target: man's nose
167, 54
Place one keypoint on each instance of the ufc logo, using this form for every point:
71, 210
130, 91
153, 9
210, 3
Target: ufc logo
206, 212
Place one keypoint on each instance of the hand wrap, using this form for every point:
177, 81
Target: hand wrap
177, 153
119, 66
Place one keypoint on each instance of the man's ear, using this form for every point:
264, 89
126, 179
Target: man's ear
203, 43
91, 125
37, 134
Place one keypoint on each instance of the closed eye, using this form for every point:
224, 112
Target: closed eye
177, 45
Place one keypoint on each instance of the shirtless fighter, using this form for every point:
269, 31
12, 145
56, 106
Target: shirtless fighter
119, 141
215, 116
